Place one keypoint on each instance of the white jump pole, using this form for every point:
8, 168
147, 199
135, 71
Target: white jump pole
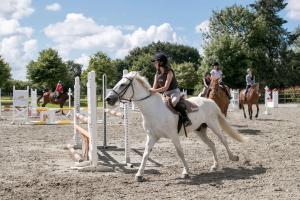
126, 127
267, 96
104, 83
92, 118
33, 94
76, 137
70, 101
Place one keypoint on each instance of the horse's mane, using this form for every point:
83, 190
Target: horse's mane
143, 80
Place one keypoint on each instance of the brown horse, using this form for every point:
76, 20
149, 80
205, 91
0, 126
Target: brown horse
252, 98
49, 97
218, 94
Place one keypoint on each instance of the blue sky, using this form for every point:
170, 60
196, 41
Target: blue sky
79, 28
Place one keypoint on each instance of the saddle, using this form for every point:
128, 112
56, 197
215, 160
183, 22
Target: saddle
190, 106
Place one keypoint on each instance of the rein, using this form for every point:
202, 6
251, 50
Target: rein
121, 94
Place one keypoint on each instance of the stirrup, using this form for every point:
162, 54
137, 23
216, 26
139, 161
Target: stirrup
187, 122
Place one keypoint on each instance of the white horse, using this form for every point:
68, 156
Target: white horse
160, 122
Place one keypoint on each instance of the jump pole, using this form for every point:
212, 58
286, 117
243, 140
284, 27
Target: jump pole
104, 83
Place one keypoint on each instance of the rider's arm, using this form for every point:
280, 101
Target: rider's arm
204, 82
167, 83
155, 82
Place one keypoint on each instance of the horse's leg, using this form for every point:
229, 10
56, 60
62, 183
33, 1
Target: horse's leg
216, 128
250, 110
149, 145
61, 107
176, 142
257, 110
245, 116
203, 135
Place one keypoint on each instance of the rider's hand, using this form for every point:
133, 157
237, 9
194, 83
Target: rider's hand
152, 91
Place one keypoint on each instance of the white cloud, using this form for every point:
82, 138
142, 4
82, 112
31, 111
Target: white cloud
203, 27
16, 43
12, 26
78, 32
17, 51
83, 60
53, 7
293, 8
15, 9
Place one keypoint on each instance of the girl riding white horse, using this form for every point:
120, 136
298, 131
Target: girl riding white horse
160, 122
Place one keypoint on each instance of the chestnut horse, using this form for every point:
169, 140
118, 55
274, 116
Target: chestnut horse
252, 98
49, 97
218, 95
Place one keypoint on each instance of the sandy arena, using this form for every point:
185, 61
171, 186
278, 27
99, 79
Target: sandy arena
36, 165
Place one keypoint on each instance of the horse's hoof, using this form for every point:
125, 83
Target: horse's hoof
185, 176
139, 178
213, 168
235, 158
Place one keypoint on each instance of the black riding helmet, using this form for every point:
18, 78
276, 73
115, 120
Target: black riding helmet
161, 58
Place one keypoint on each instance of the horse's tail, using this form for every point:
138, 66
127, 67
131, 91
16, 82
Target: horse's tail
229, 130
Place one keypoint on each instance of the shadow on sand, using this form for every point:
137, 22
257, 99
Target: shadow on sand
217, 178
272, 120
249, 131
107, 157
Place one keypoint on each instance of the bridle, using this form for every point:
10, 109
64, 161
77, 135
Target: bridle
124, 90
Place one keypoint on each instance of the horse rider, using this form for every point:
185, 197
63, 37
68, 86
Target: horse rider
216, 72
250, 80
58, 90
206, 82
165, 82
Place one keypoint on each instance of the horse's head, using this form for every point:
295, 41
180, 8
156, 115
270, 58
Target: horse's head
214, 84
131, 87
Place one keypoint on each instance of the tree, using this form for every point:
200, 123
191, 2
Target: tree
144, 65
47, 70
4, 72
101, 64
240, 37
120, 65
139, 59
227, 43
176, 53
273, 40
186, 75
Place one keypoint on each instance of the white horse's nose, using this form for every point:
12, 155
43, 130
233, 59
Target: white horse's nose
111, 99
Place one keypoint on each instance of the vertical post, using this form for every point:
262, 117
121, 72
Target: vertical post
104, 82
266, 100
27, 104
126, 145
275, 98
33, 94
13, 107
70, 99
76, 137
92, 118
0, 103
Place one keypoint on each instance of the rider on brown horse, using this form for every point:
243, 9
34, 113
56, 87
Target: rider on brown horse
250, 80
217, 73
59, 90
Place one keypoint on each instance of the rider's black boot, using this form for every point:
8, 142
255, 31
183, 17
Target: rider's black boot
180, 107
